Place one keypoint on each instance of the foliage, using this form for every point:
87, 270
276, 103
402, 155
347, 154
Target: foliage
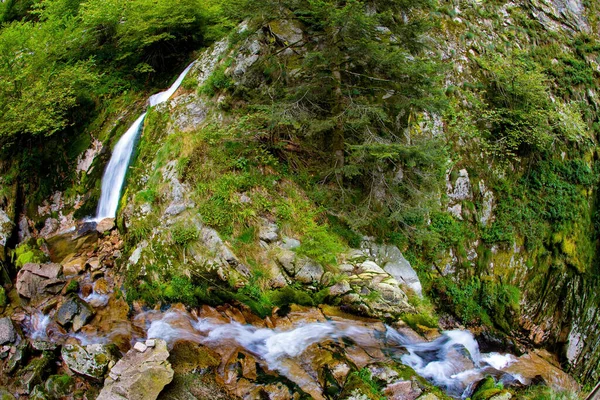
183, 234
28, 252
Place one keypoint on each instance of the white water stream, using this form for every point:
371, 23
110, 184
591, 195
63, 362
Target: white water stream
116, 170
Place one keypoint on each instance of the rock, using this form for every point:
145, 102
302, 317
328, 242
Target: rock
151, 342
101, 286
308, 271
429, 396
36, 372
93, 264
107, 224
91, 360
290, 244
402, 390
141, 347
462, 187
7, 331
502, 396
51, 225
74, 312
340, 288
287, 259
269, 232
139, 376
42, 345
289, 32
18, 358
371, 267
74, 265
48, 270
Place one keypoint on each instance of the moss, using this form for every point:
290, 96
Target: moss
72, 286
3, 297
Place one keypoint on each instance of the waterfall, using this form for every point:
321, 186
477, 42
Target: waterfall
114, 175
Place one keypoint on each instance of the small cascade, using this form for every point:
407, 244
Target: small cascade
114, 175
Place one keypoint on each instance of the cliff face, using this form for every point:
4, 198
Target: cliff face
220, 192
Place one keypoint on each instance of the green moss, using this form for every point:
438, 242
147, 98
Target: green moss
3, 297
28, 252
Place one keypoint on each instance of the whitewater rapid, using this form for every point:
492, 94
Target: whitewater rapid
116, 170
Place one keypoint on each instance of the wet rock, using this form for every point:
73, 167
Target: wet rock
74, 265
107, 224
74, 312
7, 331
402, 390
139, 376
188, 356
91, 360
101, 286
93, 264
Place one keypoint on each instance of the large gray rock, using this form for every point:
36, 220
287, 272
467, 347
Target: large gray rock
7, 331
91, 360
394, 263
107, 224
308, 271
139, 375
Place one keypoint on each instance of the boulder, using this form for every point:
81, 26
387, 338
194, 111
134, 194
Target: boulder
308, 271
269, 232
139, 376
91, 360
35, 279
7, 331
107, 224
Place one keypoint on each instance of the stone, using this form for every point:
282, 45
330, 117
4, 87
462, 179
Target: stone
18, 358
141, 347
286, 259
33, 279
51, 225
36, 371
91, 360
74, 266
340, 288
151, 342
74, 312
269, 232
402, 390
106, 225
101, 286
290, 243
7, 331
42, 345
93, 264
139, 376
428, 396
308, 271
289, 32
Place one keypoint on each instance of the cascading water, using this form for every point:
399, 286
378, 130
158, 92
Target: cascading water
114, 175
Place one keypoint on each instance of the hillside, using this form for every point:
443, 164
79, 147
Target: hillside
335, 190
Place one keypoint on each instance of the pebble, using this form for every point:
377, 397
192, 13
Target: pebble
150, 343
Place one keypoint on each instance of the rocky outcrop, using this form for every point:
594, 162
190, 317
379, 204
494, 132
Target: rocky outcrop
139, 375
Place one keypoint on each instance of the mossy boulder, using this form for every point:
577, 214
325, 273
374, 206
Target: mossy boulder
91, 360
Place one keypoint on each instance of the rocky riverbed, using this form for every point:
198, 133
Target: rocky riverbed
69, 333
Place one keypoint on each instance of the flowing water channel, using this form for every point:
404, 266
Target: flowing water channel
116, 170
